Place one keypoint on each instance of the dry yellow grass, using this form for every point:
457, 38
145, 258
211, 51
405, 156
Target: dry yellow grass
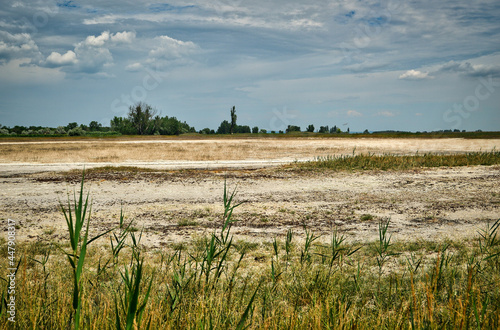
120, 150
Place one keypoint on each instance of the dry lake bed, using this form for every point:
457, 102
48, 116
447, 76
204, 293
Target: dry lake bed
178, 195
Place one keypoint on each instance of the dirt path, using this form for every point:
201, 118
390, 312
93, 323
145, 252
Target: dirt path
430, 204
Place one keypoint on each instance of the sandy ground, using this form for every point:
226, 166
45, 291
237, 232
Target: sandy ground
17, 168
170, 152
177, 206
434, 204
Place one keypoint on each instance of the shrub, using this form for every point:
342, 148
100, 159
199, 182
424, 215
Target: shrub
78, 131
60, 130
366, 217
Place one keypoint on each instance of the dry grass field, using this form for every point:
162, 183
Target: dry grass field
164, 149
314, 245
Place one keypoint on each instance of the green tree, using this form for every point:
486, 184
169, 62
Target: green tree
224, 128
335, 129
122, 125
292, 128
242, 129
310, 128
18, 129
255, 130
170, 126
205, 131
233, 119
71, 126
95, 126
141, 115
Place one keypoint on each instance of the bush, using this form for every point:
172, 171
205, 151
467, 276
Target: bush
60, 130
44, 131
205, 131
77, 131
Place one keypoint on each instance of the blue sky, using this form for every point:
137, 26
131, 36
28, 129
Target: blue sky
377, 65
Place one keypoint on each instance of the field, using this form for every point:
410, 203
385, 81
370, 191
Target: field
331, 233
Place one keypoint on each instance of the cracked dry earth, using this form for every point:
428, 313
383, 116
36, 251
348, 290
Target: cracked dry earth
177, 206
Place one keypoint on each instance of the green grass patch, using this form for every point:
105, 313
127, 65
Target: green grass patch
187, 223
396, 162
366, 217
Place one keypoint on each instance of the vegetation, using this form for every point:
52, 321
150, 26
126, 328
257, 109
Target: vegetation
295, 282
140, 116
142, 119
233, 119
227, 127
394, 162
224, 128
94, 129
292, 128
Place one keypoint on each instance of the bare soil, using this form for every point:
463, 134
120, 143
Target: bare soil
177, 206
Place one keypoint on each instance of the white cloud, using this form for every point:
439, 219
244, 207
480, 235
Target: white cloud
106, 19
19, 45
171, 51
385, 114
471, 69
91, 55
106, 37
171, 48
56, 60
415, 75
134, 67
354, 113
123, 37
92, 59
98, 41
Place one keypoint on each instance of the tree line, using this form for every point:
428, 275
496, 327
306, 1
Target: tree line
142, 119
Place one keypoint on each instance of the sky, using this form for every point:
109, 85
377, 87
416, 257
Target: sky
376, 65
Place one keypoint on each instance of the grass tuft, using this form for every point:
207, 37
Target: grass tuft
395, 162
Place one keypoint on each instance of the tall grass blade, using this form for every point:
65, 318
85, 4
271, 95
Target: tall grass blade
248, 311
